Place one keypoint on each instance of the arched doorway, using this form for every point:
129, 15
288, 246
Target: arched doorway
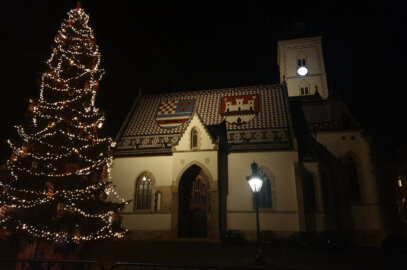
193, 203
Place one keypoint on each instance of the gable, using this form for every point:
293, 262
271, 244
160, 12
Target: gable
205, 140
256, 120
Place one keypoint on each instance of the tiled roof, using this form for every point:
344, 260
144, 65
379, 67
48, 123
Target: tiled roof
269, 129
328, 115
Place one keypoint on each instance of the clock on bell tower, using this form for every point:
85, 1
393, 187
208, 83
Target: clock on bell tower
302, 66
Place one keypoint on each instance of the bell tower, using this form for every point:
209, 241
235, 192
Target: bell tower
302, 66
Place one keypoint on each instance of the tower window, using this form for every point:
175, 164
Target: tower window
301, 59
304, 87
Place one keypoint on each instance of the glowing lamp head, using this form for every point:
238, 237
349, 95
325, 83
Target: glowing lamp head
255, 184
255, 179
302, 71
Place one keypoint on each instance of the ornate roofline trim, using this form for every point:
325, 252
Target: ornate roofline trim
264, 148
147, 152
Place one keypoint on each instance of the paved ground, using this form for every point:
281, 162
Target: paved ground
282, 257
218, 254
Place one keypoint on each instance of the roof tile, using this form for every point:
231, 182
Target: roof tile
268, 127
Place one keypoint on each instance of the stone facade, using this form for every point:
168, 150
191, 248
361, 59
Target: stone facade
317, 163
310, 50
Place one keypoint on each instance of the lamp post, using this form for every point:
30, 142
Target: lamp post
255, 181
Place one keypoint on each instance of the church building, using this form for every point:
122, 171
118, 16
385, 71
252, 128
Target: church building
183, 157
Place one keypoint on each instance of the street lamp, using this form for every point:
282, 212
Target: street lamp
255, 181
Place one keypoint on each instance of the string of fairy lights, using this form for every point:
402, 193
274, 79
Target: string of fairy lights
66, 110
71, 195
105, 232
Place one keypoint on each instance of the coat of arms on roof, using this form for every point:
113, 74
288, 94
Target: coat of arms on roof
173, 113
239, 109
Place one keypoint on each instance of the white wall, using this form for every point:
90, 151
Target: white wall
166, 171
313, 169
288, 51
204, 139
240, 212
358, 145
267, 221
319, 81
126, 170
208, 160
366, 213
147, 221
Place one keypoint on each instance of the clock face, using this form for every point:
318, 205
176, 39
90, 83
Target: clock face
302, 71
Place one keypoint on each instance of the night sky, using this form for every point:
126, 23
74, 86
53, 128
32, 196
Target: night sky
169, 46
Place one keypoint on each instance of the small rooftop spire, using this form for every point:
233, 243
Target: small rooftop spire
78, 5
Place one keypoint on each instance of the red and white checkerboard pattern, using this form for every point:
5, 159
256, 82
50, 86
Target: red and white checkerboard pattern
272, 110
167, 107
272, 114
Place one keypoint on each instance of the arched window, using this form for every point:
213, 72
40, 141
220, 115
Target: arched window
194, 138
301, 56
265, 193
304, 87
352, 174
144, 186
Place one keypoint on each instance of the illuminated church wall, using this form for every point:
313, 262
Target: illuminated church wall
366, 212
279, 166
308, 49
196, 149
205, 142
125, 172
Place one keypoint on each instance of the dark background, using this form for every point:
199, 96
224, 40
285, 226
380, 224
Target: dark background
162, 46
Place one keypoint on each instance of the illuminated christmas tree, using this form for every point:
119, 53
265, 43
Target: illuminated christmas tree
59, 167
